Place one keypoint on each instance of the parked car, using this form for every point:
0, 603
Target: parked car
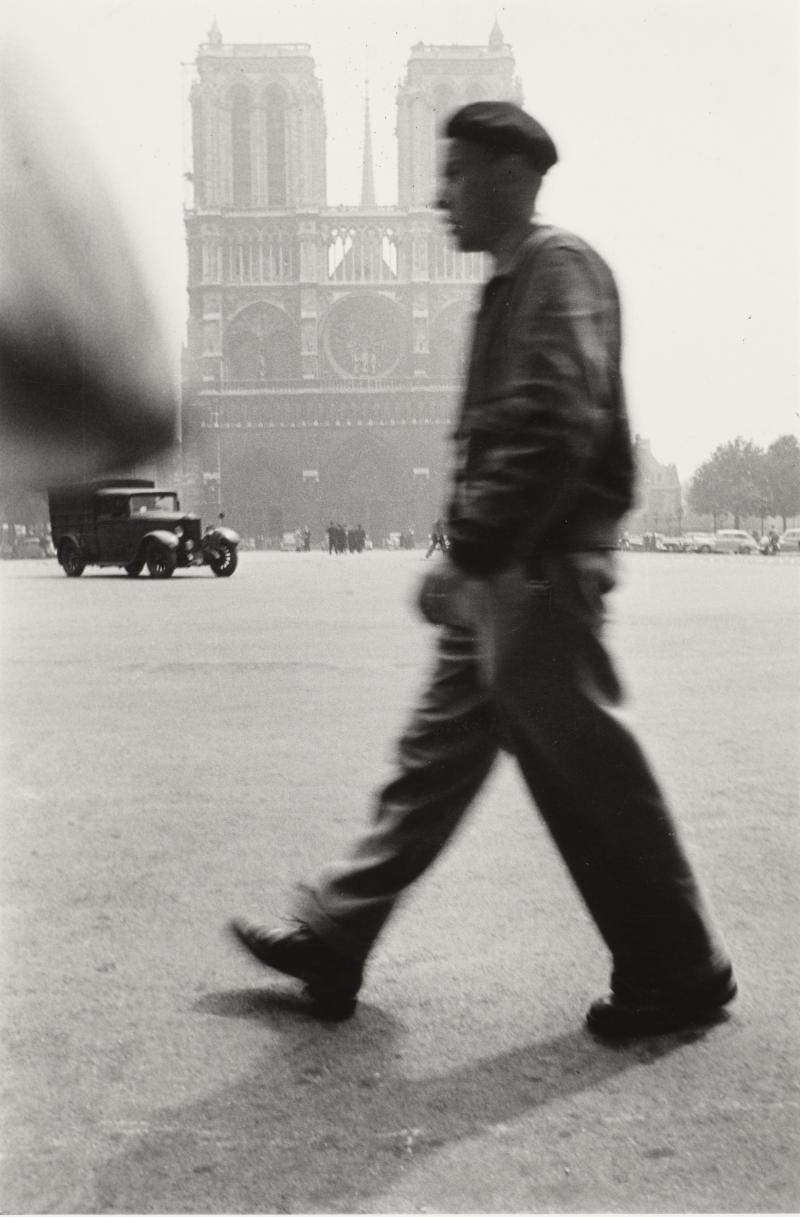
129, 523
790, 541
675, 545
702, 542
32, 547
725, 541
26, 547
291, 542
735, 541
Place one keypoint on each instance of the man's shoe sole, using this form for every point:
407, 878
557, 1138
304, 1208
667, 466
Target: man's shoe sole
609, 1019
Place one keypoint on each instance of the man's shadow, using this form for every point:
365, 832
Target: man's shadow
325, 1121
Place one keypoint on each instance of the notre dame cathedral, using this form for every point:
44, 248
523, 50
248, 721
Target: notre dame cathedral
325, 344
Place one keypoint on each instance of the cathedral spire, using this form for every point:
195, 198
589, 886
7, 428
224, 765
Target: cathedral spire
367, 173
496, 37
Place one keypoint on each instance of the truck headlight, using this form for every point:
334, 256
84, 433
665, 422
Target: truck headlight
190, 545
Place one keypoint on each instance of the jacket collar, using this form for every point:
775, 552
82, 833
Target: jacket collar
508, 257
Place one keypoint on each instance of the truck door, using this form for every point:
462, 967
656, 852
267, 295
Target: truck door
113, 529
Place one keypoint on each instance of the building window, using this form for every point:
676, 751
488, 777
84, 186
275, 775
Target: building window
277, 260
240, 148
276, 148
362, 255
389, 254
442, 107
199, 151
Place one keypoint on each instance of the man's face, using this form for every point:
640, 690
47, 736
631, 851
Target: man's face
469, 194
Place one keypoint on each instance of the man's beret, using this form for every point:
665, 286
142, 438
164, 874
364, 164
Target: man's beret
506, 128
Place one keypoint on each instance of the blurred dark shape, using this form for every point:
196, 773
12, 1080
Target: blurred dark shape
85, 380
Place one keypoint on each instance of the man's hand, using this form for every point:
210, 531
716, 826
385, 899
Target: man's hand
440, 594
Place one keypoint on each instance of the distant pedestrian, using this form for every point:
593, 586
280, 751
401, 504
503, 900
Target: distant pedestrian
438, 538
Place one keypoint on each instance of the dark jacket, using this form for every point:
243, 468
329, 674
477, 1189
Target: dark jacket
544, 461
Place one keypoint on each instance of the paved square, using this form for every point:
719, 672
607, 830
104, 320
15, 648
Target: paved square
177, 752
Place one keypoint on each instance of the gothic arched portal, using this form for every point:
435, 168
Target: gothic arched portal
368, 486
253, 489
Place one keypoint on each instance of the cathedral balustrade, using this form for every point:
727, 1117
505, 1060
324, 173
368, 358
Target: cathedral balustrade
375, 254
433, 411
358, 385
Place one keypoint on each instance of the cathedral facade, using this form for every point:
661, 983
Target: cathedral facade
325, 345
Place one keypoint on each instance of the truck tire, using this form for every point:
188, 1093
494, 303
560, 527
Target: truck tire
224, 559
71, 559
161, 562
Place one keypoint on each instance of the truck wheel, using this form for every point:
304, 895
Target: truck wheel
161, 562
134, 568
224, 559
71, 559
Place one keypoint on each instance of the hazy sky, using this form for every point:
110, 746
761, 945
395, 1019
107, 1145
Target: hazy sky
676, 121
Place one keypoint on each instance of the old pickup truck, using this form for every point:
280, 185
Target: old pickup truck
129, 523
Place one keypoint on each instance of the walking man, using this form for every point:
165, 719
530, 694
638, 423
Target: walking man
543, 474
438, 538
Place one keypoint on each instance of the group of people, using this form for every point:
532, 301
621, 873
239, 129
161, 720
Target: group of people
344, 540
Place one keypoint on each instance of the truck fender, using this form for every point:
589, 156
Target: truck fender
220, 533
75, 537
164, 538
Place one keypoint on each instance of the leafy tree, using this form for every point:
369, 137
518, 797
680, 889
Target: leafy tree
744, 461
782, 477
732, 480
706, 492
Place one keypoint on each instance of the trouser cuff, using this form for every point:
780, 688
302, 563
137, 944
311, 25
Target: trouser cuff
308, 909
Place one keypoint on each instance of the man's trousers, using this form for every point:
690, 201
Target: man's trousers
521, 666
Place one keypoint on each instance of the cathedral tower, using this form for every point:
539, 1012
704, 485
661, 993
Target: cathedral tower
258, 127
325, 345
438, 80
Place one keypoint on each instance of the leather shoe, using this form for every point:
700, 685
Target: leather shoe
332, 981
616, 1017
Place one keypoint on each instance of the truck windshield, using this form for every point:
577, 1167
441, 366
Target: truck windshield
141, 503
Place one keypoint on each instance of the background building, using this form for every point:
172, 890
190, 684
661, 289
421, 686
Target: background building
659, 506
325, 344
